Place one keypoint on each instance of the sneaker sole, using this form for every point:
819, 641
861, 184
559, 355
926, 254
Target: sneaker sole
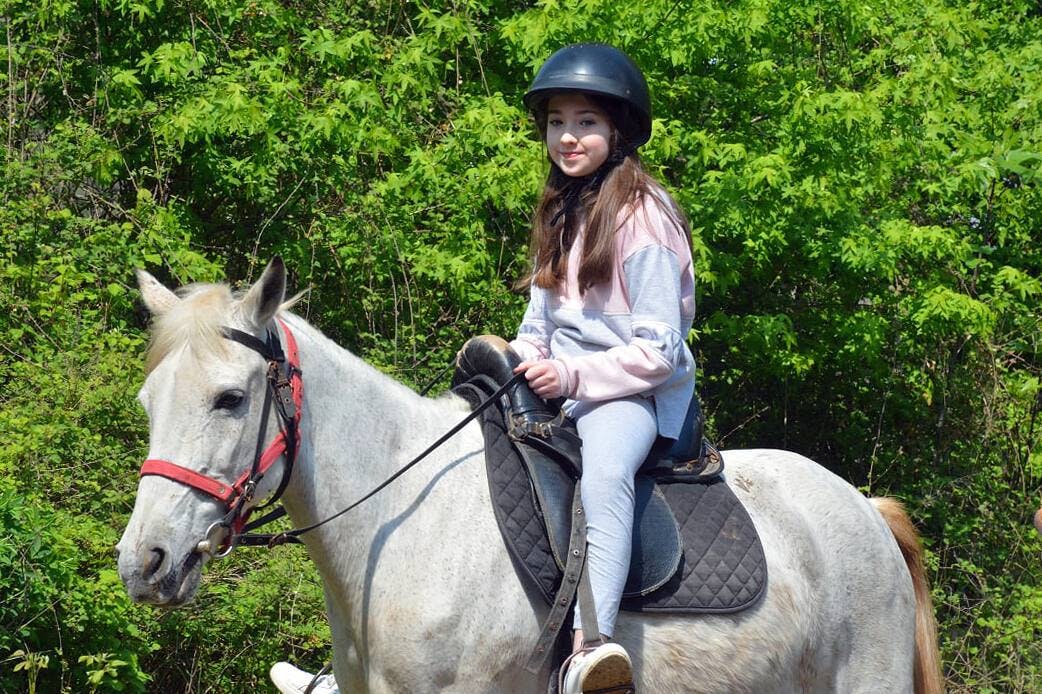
612, 673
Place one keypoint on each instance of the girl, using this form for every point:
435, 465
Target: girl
612, 299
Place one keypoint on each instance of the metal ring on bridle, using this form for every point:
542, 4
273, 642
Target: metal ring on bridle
208, 545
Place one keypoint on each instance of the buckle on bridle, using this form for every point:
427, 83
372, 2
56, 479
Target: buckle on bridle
280, 377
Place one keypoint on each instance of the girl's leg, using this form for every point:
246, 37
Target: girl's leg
617, 436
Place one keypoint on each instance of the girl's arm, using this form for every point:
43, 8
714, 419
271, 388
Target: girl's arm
533, 335
652, 276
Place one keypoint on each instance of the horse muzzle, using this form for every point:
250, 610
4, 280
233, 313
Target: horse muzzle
153, 575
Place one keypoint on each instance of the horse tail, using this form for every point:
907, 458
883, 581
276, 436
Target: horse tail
928, 677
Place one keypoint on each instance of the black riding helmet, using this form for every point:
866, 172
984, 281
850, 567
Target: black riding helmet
602, 70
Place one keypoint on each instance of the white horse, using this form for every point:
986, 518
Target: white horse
420, 591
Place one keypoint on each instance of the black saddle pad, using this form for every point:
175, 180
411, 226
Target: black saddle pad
721, 568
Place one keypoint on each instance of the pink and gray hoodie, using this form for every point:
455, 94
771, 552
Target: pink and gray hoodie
625, 336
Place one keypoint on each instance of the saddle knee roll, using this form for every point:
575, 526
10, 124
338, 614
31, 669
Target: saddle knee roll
530, 419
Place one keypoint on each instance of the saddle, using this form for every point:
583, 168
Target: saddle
689, 458
695, 548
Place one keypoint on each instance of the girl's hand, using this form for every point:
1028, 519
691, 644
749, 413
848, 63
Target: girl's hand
542, 378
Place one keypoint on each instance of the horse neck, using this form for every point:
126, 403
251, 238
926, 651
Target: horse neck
358, 427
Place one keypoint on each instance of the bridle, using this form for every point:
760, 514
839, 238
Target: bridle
286, 389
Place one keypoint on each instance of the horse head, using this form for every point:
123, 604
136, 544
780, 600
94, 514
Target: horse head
205, 393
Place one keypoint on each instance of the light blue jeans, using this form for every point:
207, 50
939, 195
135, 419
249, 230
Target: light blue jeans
617, 436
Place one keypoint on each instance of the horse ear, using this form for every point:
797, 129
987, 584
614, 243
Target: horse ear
158, 299
263, 299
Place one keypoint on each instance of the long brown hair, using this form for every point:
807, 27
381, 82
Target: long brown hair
602, 200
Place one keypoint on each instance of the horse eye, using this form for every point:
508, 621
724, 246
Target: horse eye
229, 400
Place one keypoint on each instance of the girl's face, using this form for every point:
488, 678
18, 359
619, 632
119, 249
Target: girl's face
578, 134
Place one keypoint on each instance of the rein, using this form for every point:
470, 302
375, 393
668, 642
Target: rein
294, 535
286, 388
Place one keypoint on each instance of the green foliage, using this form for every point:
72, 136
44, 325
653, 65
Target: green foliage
31, 663
57, 601
862, 181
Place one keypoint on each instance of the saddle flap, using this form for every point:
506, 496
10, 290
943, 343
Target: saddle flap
657, 548
553, 490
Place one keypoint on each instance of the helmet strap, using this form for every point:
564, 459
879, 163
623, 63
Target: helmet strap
576, 189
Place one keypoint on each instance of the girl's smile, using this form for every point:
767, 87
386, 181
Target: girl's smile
578, 134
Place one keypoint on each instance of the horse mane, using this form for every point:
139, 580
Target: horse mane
196, 321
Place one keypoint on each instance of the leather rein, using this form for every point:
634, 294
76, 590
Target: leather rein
286, 389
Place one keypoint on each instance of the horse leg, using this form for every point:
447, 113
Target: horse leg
347, 666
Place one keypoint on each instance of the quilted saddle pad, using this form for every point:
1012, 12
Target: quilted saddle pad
721, 569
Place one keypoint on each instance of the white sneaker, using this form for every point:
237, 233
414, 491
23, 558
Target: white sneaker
606, 668
292, 680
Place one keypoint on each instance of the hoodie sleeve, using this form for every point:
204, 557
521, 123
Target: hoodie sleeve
655, 350
533, 335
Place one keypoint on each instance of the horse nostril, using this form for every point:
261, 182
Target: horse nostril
154, 562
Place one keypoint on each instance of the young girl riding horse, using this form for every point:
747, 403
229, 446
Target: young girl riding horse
612, 300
